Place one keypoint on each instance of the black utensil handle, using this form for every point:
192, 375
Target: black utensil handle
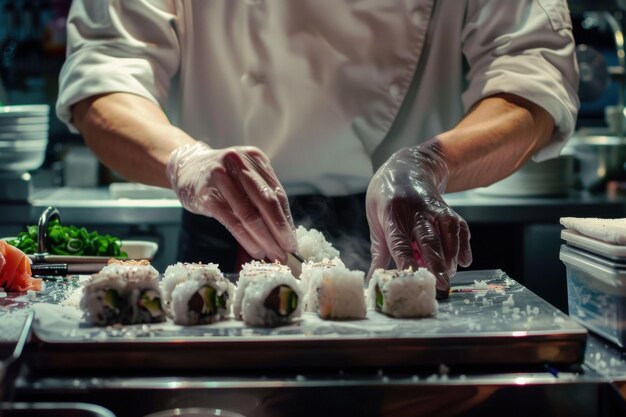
49, 269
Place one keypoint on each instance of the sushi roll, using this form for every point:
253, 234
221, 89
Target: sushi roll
197, 293
103, 300
267, 295
403, 293
333, 291
124, 292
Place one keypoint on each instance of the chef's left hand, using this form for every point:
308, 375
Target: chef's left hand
409, 220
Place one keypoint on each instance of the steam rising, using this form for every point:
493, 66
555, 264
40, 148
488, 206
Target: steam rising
342, 221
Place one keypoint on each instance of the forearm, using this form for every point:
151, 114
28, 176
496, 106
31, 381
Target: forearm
130, 135
494, 139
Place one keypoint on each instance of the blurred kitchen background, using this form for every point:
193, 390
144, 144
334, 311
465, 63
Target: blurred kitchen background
514, 223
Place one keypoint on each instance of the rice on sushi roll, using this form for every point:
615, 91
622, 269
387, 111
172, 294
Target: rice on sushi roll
403, 293
196, 293
333, 291
268, 295
124, 292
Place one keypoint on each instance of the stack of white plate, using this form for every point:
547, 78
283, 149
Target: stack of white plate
554, 177
23, 136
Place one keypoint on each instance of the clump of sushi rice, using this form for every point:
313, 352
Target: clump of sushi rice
268, 295
313, 246
196, 293
333, 291
124, 292
403, 293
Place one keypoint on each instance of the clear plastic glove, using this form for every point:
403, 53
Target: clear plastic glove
409, 220
238, 187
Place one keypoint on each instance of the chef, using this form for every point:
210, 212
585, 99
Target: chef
359, 115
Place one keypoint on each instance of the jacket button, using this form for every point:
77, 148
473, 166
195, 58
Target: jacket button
416, 17
249, 79
394, 90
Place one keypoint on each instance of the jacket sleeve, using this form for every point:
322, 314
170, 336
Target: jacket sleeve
524, 48
118, 46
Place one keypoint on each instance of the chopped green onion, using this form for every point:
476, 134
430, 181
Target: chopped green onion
70, 240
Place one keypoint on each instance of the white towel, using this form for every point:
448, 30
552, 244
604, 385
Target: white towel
606, 230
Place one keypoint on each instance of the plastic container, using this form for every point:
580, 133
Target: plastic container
598, 247
596, 292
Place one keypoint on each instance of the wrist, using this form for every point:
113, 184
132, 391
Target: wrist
181, 158
431, 164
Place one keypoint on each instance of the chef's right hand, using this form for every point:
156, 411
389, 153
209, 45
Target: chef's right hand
238, 187
410, 223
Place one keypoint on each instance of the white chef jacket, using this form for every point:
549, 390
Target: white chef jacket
328, 89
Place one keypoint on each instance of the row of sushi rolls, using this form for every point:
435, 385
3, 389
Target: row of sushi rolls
265, 294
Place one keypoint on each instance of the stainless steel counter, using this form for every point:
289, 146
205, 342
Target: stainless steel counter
595, 388
579, 391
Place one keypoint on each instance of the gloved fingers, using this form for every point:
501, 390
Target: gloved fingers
429, 245
380, 252
248, 217
465, 250
267, 173
399, 242
263, 167
417, 255
265, 170
225, 216
449, 230
267, 201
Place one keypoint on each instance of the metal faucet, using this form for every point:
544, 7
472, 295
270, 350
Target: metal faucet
613, 21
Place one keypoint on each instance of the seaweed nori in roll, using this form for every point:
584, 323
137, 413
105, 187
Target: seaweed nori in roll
267, 295
124, 292
197, 293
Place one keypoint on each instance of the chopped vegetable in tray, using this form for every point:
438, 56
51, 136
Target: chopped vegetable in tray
70, 240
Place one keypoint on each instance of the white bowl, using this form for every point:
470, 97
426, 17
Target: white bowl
12, 136
140, 249
40, 127
23, 144
24, 120
135, 249
22, 159
25, 110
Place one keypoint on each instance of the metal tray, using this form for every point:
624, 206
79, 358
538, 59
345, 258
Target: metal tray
506, 324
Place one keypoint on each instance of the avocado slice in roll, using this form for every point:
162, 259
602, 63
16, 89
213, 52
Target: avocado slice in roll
283, 300
205, 301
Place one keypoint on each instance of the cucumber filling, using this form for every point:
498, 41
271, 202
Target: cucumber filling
380, 300
282, 300
112, 300
151, 302
206, 302
112, 305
